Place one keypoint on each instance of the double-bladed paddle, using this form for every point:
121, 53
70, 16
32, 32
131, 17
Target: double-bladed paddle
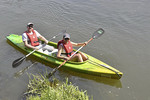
95, 35
18, 61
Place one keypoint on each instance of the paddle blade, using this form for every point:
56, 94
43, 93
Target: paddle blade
17, 62
50, 74
98, 33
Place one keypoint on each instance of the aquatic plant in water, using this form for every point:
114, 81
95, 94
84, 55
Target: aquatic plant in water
40, 88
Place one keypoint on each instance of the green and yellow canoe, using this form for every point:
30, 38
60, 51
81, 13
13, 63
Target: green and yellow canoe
92, 66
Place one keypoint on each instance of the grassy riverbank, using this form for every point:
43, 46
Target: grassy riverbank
39, 88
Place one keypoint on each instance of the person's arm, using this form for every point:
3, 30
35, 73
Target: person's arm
59, 53
29, 46
78, 44
44, 39
41, 37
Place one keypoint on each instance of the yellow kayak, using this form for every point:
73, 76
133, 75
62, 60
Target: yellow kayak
91, 66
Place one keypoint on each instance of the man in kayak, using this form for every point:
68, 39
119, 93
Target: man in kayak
65, 49
30, 39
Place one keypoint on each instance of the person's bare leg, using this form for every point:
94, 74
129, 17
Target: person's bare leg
84, 57
78, 57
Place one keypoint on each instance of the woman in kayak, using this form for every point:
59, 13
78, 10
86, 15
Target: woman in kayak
65, 49
30, 39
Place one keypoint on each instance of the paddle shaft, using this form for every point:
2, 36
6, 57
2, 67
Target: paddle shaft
111, 69
30, 53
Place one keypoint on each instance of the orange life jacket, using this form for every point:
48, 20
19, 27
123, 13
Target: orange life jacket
33, 38
68, 47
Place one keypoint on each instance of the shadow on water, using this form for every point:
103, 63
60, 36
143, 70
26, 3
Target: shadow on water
107, 81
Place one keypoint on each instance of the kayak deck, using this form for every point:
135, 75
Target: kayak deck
91, 66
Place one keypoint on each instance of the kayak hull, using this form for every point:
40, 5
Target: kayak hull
92, 66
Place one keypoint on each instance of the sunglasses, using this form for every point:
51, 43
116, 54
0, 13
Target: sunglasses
66, 38
30, 26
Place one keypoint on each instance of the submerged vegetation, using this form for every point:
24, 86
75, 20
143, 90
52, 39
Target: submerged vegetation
40, 88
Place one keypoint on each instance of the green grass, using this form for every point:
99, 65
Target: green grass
45, 90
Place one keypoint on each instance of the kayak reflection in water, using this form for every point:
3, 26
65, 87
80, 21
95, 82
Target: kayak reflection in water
65, 49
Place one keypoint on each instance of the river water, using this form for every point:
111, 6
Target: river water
125, 44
